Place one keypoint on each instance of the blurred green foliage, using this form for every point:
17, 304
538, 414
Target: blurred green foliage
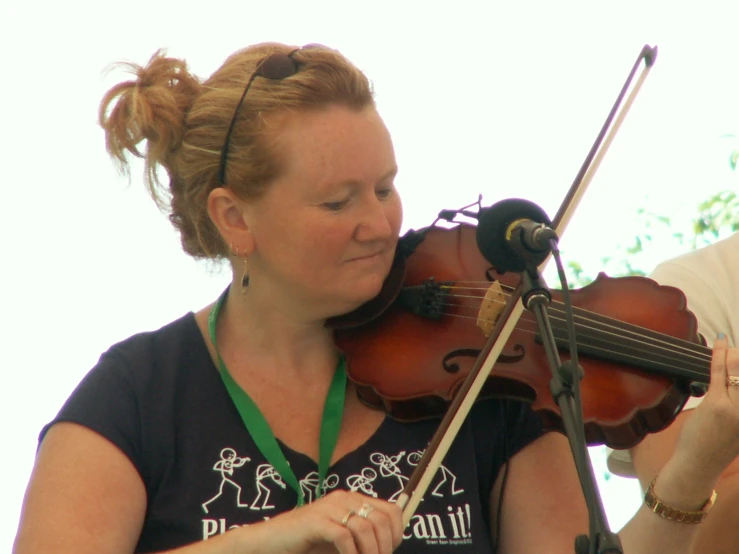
719, 212
715, 217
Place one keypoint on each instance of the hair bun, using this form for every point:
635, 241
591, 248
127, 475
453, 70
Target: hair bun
151, 108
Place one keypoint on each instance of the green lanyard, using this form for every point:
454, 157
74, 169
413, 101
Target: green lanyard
259, 428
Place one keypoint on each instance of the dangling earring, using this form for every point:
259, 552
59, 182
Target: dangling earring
245, 277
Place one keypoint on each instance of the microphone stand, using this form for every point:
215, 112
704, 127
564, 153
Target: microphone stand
565, 388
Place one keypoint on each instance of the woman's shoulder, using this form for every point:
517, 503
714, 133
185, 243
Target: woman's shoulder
173, 340
149, 362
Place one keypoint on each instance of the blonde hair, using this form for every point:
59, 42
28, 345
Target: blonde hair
183, 122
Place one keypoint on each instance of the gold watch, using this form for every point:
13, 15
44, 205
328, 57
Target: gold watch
673, 514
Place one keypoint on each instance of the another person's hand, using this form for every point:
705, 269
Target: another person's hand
709, 440
342, 521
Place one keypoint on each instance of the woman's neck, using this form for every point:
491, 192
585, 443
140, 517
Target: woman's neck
251, 333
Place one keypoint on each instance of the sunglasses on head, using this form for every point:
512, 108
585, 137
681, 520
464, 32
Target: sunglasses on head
276, 66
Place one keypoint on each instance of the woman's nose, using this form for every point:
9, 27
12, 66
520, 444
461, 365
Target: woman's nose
376, 221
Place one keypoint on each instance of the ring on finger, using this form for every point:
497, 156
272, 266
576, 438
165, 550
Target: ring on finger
732, 381
349, 514
365, 510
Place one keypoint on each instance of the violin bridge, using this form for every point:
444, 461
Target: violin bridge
492, 306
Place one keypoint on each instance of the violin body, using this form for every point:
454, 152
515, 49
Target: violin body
411, 351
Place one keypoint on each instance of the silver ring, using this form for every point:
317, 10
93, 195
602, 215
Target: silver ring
732, 381
365, 510
349, 514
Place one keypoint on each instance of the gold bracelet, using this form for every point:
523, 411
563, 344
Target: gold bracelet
673, 514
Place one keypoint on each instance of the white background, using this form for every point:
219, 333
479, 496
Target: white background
495, 98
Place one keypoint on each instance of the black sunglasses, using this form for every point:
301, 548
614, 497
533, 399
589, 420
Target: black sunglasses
276, 66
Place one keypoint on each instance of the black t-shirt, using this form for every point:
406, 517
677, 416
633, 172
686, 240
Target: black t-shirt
160, 399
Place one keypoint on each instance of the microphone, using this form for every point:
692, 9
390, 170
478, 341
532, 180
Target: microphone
514, 235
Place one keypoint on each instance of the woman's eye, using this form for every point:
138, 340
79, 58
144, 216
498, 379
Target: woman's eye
384, 193
335, 206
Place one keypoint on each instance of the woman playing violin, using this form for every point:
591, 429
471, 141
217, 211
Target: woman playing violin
233, 429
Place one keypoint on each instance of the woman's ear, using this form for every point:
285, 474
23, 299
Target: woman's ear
228, 214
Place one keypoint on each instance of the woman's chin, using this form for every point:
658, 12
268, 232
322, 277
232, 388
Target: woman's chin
370, 288
357, 297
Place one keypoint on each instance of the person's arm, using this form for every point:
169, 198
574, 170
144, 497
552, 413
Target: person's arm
719, 532
543, 508
86, 497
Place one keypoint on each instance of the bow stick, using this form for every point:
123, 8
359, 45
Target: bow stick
468, 392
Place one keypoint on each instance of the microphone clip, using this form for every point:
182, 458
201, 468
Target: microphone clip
531, 238
515, 235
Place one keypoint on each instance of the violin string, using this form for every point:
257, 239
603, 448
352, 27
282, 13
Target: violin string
688, 347
614, 329
698, 370
659, 337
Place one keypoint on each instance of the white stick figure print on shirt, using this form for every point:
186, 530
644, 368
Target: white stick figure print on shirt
363, 481
389, 468
309, 485
265, 471
446, 475
225, 466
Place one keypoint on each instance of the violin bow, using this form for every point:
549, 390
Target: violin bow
468, 392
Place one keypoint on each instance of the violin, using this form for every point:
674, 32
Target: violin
409, 350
